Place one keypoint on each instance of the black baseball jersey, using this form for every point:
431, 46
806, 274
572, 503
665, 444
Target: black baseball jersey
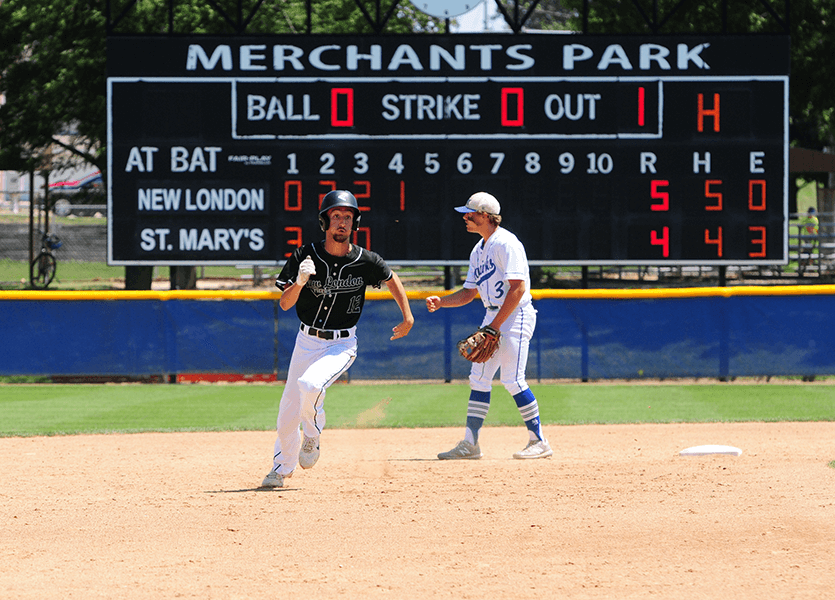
333, 298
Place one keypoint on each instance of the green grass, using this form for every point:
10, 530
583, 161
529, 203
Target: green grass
74, 270
23, 219
68, 275
806, 195
46, 409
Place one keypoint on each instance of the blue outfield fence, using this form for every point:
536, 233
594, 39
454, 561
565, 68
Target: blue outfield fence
588, 334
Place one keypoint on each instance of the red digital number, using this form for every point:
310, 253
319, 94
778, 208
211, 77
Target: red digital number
291, 203
703, 112
363, 195
663, 241
348, 95
519, 119
758, 241
717, 240
656, 195
295, 239
754, 183
327, 184
715, 195
366, 233
402, 195
641, 105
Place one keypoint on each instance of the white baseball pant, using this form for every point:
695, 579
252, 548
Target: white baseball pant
512, 355
314, 366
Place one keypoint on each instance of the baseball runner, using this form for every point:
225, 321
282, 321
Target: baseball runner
326, 283
498, 273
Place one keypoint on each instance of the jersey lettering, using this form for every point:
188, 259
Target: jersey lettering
333, 285
483, 272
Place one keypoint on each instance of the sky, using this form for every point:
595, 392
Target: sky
473, 21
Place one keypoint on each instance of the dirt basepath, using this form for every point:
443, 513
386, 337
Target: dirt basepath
615, 514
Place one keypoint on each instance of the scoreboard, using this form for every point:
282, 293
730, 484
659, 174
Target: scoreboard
601, 149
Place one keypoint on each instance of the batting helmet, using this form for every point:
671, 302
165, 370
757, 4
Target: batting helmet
334, 199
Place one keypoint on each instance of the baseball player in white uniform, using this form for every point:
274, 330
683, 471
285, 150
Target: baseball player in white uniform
326, 283
498, 273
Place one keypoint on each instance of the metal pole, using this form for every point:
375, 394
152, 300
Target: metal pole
46, 202
31, 216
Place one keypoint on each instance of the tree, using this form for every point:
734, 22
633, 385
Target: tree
53, 59
812, 97
52, 77
282, 16
810, 24
549, 15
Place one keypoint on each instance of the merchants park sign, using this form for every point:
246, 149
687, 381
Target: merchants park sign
602, 150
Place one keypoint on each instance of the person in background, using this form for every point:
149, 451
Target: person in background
809, 227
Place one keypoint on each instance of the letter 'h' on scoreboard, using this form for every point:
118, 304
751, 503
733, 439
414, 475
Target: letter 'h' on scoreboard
602, 150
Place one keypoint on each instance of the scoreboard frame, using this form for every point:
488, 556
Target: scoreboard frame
603, 150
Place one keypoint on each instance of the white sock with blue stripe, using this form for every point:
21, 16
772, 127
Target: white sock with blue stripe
529, 409
477, 409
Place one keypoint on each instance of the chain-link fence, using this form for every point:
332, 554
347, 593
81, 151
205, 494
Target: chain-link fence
79, 244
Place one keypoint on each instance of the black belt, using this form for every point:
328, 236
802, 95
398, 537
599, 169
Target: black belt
325, 334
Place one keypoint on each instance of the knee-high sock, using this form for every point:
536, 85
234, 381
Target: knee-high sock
477, 409
529, 409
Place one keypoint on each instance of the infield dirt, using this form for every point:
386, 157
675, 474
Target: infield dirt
615, 514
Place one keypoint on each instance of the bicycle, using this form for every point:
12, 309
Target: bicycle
42, 269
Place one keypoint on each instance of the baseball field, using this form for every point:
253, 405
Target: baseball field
150, 491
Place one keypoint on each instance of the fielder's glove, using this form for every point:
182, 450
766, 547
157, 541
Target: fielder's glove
480, 346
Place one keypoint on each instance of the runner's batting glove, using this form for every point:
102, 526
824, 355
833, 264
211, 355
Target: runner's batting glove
306, 269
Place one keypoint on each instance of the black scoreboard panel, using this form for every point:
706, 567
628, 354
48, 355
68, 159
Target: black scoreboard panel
604, 150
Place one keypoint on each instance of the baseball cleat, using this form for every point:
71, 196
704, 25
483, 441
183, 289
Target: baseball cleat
535, 449
274, 480
309, 453
464, 450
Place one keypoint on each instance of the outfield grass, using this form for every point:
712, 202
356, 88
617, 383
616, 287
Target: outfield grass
45, 409
68, 275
